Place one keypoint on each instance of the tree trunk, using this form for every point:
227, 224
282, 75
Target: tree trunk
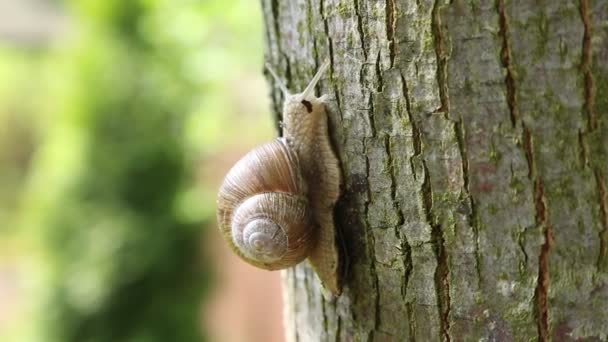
473, 139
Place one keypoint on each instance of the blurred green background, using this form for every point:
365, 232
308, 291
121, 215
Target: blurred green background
117, 121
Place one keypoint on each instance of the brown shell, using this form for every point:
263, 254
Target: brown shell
265, 190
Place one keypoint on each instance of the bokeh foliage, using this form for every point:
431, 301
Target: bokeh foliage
108, 143
127, 265
106, 188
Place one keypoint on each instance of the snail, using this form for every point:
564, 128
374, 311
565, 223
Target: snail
275, 205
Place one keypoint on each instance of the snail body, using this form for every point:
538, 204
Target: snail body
275, 206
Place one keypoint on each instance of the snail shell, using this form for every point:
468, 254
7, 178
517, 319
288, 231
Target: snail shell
263, 211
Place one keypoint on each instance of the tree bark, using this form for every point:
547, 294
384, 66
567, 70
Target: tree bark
473, 139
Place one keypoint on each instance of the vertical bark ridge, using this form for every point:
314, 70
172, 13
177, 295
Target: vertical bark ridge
332, 66
542, 286
585, 65
551, 98
589, 110
493, 243
441, 58
598, 140
362, 135
419, 320
603, 234
442, 285
405, 248
505, 55
391, 22
309, 28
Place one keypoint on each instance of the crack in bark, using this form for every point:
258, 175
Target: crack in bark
309, 17
360, 28
324, 312
339, 104
585, 66
387, 147
460, 138
266, 23
279, 104
592, 124
442, 286
274, 7
370, 241
441, 59
415, 131
442, 271
308, 289
406, 95
473, 216
380, 87
527, 141
603, 234
405, 247
372, 123
377, 298
330, 46
542, 286
295, 306
288, 76
521, 235
412, 322
505, 58
408, 264
584, 154
521, 241
377, 289
408, 267
331, 56
391, 23
315, 52
543, 271
339, 329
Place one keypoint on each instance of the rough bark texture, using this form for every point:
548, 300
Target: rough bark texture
473, 139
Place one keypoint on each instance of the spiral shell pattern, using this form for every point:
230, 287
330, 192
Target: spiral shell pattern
263, 211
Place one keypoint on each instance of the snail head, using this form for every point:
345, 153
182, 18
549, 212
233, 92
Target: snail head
304, 106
